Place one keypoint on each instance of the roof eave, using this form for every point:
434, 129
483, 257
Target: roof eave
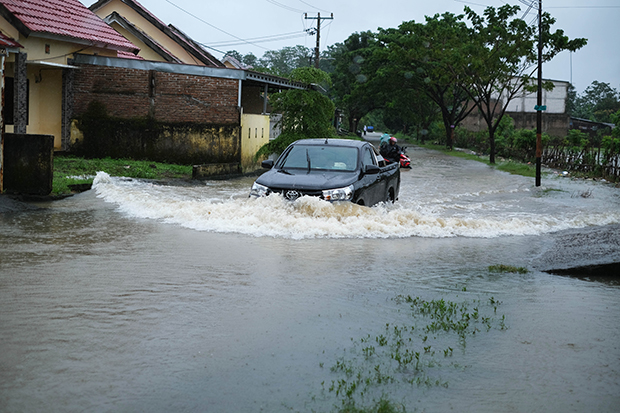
114, 17
100, 44
14, 21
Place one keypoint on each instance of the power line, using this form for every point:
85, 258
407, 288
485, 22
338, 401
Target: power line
284, 6
314, 7
215, 27
262, 40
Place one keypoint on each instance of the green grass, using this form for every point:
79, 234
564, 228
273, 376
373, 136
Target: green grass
508, 268
71, 170
512, 167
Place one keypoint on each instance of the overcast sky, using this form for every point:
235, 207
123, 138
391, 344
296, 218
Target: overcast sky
244, 25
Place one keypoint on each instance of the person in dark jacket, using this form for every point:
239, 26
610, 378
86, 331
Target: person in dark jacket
391, 151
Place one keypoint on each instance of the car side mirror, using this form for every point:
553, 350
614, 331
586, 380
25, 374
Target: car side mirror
267, 164
371, 169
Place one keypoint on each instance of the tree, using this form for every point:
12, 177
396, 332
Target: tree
353, 89
597, 103
305, 113
501, 57
421, 57
282, 62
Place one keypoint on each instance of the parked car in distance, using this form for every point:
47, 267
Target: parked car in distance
331, 169
370, 128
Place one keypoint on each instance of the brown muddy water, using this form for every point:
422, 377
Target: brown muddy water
136, 296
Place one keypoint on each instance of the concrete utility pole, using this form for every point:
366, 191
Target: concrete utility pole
539, 106
318, 34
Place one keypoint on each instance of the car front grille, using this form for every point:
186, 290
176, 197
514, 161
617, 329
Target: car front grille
293, 194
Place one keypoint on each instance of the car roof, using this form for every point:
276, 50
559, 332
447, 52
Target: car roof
330, 141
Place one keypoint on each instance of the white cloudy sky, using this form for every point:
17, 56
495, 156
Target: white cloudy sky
243, 25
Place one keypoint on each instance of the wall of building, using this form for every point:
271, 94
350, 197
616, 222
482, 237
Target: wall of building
166, 97
254, 134
162, 116
553, 124
45, 82
554, 100
144, 25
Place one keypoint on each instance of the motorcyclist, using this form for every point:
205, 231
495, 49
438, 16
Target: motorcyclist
391, 151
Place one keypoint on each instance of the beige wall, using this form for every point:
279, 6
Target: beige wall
254, 134
45, 82
144, 25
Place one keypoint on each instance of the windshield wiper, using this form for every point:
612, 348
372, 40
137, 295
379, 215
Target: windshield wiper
308, 158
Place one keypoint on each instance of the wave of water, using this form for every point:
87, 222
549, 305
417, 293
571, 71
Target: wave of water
484, 213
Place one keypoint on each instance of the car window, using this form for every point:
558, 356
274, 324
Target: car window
368, 158
320, 157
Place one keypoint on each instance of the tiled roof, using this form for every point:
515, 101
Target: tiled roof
6, 41
64, 18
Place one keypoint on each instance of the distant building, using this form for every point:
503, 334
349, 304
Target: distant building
590, 127
555, 120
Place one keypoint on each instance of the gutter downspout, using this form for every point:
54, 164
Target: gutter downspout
239, 98
3, 53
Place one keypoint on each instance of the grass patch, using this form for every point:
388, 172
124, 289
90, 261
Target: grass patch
501, 268
512, 167
72, 170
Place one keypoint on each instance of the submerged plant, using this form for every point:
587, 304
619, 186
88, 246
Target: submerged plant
406, 353
508, 268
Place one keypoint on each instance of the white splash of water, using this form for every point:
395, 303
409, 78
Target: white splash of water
206, 209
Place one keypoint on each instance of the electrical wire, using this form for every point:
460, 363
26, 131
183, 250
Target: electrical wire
284, 6
215, 27
270, 39
314, 7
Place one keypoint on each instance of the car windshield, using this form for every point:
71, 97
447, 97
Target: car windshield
320, 157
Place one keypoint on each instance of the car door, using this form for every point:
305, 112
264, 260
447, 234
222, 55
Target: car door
375, 184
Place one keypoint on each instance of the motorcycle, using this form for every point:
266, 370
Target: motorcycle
405, 162
403, 159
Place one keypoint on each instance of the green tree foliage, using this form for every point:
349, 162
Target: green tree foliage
597, 103
305, 113
500, 57
355, 66
420, 58
282, 62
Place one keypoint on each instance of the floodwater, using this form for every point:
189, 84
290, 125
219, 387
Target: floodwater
138, 296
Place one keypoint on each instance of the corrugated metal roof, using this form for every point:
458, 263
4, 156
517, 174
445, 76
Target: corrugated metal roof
66, 18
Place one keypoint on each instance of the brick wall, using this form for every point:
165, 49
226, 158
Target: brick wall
160, 116
166, 97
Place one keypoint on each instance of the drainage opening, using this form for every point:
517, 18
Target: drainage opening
606, 273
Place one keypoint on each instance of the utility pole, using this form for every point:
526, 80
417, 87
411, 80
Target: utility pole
318, 34
539, 106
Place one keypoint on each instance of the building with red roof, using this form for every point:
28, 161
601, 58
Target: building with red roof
43, 36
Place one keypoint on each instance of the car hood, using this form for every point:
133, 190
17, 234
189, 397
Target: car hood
304, 180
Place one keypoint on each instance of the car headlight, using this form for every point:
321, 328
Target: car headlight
338, 194
259, 190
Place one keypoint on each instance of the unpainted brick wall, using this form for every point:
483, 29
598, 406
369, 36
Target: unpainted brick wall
166, 97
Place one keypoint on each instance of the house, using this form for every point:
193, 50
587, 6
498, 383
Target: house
48, 32
149, 90
555, 120
156, 40
214, 112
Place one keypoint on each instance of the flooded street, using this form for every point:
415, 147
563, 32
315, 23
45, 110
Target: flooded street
136, 296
